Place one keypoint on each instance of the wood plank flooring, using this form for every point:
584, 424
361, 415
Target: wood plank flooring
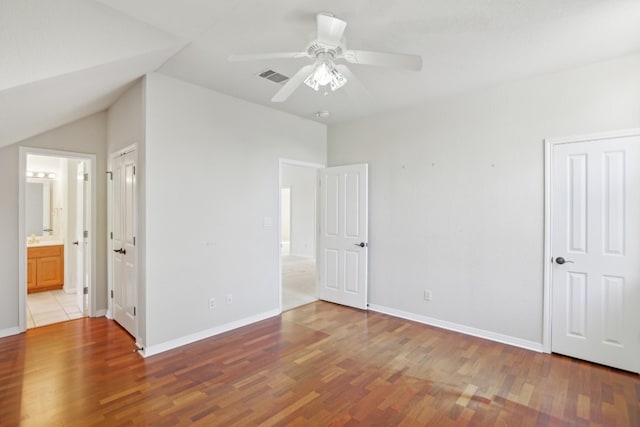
320, 364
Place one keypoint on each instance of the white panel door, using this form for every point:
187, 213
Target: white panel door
81, 243
124, 268
343, 235
595, 230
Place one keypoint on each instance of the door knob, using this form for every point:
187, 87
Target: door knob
561, 260
361, 244
120, 251
75, 243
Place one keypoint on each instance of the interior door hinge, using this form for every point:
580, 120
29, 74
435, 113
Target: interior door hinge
85, 290
134, 169
110, 175
111, 235
134, 240
111, 293
134, 311
85, 234
86, 177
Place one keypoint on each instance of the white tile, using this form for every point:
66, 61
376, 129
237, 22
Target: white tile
44, 307
41, 319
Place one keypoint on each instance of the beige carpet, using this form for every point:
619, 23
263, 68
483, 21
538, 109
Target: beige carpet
298, 281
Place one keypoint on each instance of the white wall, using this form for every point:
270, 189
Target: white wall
83, 136
456, 192
302, 181
212, 168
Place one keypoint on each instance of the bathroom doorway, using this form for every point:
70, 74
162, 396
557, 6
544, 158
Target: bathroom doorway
298, 233
56, 236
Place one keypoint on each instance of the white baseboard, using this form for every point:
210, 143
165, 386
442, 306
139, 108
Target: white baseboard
480, 333
178, 342
10, 331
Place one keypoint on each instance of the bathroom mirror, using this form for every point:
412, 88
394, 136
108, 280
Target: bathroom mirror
38, 208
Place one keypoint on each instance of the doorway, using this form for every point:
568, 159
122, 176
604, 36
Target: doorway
592, 246
297, 237
56, 226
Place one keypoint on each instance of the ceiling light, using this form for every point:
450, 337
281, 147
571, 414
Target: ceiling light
51, 175
325, 74
40, 175
322, 114
29, 174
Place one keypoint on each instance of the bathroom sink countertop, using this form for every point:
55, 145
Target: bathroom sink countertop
45, 243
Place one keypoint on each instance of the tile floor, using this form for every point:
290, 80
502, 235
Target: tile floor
45, 308
298, 281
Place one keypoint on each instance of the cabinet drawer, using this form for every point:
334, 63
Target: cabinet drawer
44, 251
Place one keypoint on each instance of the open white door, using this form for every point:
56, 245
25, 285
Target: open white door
81, 242
595, 242
123, 215
343, 235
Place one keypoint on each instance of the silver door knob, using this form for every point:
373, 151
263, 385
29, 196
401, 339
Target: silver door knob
561, 260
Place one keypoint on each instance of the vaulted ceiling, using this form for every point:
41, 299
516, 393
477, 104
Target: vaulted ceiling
63, 60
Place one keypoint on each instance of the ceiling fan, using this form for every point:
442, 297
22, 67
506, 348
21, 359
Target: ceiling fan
328, 47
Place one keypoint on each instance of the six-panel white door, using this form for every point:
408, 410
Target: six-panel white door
343, 235
596, 234
123, 214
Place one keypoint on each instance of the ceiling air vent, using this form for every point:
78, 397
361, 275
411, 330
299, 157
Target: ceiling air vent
273, 76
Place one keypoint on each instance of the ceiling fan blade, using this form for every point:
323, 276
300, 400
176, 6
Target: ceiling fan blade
292, 84
261, 56
330, 29
397, 60
354, 87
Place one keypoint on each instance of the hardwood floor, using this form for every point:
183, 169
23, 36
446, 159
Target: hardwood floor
320, 364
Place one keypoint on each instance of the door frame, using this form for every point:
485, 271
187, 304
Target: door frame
110, 313
290, 162
549, 144
23, 152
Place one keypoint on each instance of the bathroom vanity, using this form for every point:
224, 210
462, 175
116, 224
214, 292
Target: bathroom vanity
45, 267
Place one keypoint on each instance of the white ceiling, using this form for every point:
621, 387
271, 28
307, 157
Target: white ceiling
84, 52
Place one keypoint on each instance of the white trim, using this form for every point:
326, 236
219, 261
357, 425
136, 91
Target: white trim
594, 136
467, 330
23, 152
208, 333
549, 143
291, 162
11, 331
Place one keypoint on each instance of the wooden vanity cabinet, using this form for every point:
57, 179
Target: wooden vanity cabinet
45, 268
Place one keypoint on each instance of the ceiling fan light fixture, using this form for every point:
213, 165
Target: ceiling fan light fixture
325, 74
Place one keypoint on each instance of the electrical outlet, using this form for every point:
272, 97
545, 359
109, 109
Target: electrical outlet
212, 303
427, 295
229, 298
